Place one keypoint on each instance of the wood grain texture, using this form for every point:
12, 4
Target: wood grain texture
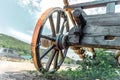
112, 19
98, 28
92, 4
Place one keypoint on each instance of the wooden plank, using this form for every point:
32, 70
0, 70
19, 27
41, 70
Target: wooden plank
94, 30
99, 41
103, 15
100, 26
110, 7
104, 19
106, 24
92, 4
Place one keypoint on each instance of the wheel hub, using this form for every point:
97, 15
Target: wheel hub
62, 42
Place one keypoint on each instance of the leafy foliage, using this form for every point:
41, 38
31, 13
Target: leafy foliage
17, 45
69, 61
104, 67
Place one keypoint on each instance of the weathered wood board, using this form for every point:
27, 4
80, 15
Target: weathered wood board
99, 27
99, 41
92, 4
112, 19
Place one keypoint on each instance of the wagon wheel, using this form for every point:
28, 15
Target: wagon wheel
49, 42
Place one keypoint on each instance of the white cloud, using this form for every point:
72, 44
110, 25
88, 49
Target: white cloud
35, 3
45, 4
21, 36
30, 32
25, 2
8, 30
32, 6
5, 29
37, 7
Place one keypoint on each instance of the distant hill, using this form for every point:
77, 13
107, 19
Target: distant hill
9, 42
21, 47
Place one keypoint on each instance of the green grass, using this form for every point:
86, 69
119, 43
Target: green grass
17, 45
104, 67
68, 60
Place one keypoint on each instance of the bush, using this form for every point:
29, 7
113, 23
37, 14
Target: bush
68, 60
104, 67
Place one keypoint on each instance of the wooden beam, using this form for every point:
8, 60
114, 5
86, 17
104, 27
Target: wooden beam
69, 12
105, 24
104, 19
100, 42
102, 31
92, 4
94, 30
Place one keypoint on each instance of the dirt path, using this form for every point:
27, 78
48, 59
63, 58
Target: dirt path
24, 71
9, 66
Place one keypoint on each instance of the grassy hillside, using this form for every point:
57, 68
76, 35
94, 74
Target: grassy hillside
17, 45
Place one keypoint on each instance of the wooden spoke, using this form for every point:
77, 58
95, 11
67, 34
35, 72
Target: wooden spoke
47, 51
62, 28
61, 61
61, 54
48, 37
52, 25
58, 23
50, 59
67, 26
56, 59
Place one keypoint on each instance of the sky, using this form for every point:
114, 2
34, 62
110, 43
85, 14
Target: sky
18, 17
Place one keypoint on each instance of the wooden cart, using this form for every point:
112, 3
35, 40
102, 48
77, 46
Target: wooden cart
53, 33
